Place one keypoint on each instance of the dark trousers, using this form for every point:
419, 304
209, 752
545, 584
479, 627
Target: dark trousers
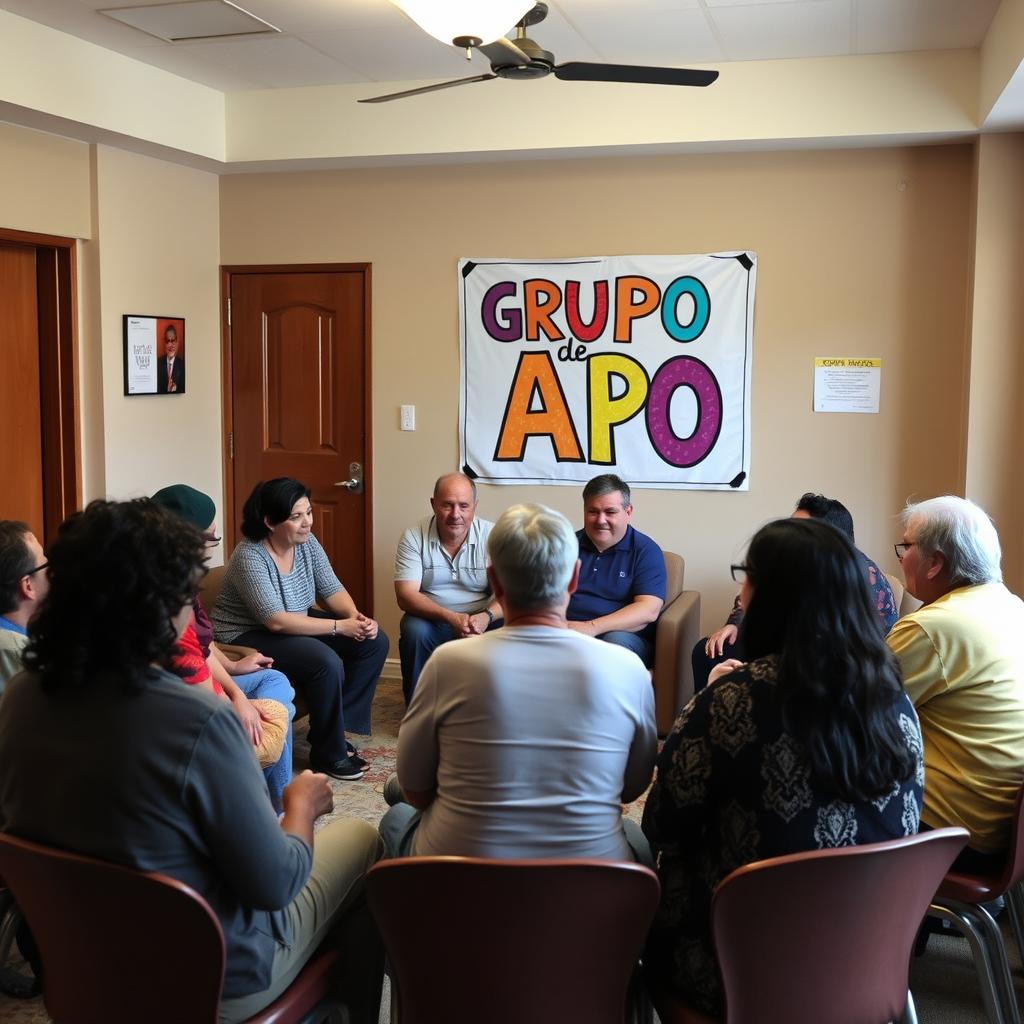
702, 664
336, 674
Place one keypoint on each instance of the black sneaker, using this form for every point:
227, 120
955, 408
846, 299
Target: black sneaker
345, 769
353, 756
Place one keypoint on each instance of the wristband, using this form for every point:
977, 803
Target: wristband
490, 616
334, 627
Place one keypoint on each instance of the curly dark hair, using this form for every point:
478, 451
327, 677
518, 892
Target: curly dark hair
271, 501
120, 572
838, 681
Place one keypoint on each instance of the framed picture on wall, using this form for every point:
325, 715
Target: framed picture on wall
154, 355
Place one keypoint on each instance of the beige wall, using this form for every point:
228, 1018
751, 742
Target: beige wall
149, 235
996, 420
157, 229
861, 252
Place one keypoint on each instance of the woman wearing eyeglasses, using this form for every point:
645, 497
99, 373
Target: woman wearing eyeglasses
811, 743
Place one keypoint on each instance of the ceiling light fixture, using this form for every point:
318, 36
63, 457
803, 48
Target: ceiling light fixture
465, 23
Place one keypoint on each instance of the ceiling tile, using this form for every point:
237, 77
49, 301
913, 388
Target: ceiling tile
279, 62
397, 56
179, 61
757, 3
667, 37
189, 19
883, 26
812, 28
303, 16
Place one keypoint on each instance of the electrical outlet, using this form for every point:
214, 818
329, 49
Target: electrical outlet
408, 417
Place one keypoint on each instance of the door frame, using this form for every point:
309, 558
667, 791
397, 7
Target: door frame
57, 310
227, 272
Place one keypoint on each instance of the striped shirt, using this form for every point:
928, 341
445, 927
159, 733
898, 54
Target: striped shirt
254, 588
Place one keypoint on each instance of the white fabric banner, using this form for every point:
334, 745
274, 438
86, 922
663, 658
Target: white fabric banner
635, 365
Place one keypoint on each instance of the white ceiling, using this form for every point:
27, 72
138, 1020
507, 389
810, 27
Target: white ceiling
326, 42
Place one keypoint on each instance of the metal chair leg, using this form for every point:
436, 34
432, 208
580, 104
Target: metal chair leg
986, 942
910, 1013
1015, 908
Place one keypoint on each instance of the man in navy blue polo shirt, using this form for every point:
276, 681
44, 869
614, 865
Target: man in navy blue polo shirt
622, 572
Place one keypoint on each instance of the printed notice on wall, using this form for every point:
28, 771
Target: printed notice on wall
847, 385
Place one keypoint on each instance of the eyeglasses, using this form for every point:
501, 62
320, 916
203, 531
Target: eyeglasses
901, 549
31, 572
739, 573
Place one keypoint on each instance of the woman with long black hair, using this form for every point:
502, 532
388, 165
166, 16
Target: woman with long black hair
811, 743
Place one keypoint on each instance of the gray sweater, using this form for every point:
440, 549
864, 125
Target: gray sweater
160, 780
254, 588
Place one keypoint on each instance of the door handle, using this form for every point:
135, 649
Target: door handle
355, 481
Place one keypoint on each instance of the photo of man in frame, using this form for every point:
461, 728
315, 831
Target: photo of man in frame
170, 367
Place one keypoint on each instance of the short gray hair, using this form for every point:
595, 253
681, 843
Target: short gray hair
962, 533
533, 552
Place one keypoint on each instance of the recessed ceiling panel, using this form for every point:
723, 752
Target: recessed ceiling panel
812, 28
196, 19
885, 27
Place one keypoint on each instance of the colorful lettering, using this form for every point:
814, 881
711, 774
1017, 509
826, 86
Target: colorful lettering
541, 298
684, 371
577, 328
512, 328
626, 310
670, 309
536, 378
607, 412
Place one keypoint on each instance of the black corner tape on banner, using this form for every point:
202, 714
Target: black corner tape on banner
472, 474
746, 263
737, 479
471, 266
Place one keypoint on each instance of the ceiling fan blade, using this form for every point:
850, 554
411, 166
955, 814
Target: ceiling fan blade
579, 71
427, 88
503, 51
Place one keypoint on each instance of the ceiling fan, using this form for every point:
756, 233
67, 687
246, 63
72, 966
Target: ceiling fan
523, 58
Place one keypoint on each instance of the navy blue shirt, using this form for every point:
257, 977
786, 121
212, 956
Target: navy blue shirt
610, 579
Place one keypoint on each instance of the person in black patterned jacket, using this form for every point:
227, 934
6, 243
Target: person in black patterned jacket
811, 743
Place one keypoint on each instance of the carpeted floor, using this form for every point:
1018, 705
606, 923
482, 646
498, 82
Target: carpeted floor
943, 981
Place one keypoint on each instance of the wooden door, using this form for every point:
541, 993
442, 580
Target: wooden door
298, 401
21, 453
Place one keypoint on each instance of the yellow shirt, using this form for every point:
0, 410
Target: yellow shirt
963, 666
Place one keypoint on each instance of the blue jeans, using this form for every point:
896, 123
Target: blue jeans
417, 639
273, 685
634, 642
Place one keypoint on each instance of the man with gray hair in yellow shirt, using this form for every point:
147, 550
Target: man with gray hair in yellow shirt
963, 667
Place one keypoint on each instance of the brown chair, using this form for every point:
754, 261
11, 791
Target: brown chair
511, 941
959, 900
677, 631
825, 935
123, 946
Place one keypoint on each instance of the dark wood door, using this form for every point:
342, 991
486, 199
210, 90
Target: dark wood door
298, 348
21, 454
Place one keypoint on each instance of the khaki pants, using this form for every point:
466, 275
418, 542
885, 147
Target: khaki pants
331, 908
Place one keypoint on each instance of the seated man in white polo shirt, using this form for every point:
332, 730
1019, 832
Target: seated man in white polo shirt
441, 577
